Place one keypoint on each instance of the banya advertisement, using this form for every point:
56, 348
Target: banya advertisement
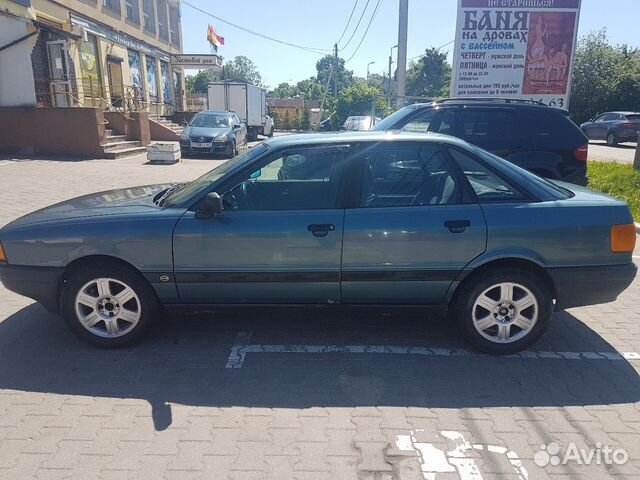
516, 49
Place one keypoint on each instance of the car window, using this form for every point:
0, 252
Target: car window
236, 120
634, 118
433, 120
306, 179
488, 186
611, 116
409, 176
599, 119
208, 120
491, 129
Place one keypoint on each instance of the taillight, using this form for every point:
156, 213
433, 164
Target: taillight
581, 152
3, 256
627, 124
623, 238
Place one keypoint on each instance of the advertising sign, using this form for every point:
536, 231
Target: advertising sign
515, 49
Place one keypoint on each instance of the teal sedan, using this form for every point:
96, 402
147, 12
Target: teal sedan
366, 218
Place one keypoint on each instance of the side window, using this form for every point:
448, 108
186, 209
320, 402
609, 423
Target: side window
295, 180
601, 118
439, 121
489, 129
236, 120
488, 186
409, 176
540, 128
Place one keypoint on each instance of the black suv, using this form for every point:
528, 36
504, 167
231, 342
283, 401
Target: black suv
541, 139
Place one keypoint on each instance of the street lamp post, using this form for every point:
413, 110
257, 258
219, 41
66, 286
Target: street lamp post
390, 83
370, 63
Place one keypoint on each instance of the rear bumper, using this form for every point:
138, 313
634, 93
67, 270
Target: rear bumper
579, 286
38, 283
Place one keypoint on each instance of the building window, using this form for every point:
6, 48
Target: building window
174, 25
112, 5
149, 16
133, 11
163, 24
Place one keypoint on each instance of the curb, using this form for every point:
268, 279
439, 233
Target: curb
638, 228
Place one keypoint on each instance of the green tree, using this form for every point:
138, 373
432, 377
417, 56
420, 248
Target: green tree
284, 90
376, 81
605, 77
326, 65
358, 100
239, 69
430, 75
310, 89
305, 121
198, 83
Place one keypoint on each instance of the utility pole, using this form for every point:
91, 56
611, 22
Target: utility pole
390, 83
636, 159
402, 51
335, 69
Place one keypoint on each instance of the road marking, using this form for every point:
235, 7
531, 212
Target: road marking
5, 163
434, 461
240, 350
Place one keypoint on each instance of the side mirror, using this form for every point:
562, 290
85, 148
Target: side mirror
210, 207
256, 174
237, 126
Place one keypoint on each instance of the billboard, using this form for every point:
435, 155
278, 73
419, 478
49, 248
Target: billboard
515, 49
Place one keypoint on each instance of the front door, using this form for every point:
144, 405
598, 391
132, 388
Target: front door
414, 229
116, 86
278, 240
59, 70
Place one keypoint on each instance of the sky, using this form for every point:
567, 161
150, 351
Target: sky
319, 24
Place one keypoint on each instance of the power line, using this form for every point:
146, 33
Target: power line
375, 12
439, 48
357, 25
348, 21
317, 51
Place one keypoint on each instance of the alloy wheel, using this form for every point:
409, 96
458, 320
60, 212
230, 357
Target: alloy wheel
107, 307
505, 312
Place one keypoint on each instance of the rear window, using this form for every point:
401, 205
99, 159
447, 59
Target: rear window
634, 118
550, 130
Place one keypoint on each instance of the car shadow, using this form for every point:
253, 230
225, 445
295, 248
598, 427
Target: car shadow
183, 361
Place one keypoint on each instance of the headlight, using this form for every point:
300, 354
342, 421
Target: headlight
221, 138
184, 137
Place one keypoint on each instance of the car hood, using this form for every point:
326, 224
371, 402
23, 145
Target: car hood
111, 202
205, 131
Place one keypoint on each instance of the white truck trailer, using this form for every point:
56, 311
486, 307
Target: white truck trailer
249, 102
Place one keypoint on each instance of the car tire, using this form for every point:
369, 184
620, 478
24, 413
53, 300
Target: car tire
503, 311
234, 149
612, 140
108, 305
270, 133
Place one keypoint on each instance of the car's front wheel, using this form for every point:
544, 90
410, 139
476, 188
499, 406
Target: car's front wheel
108, 305
504, 311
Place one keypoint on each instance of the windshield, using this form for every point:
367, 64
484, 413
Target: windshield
187, 192
387, 123
210, 120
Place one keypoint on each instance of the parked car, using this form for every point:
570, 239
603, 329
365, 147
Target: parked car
614, 127
363, 218
359, 122
325, 125
214, 131
541, 139
267, 130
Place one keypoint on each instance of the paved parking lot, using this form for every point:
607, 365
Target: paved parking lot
622, 153
255, 393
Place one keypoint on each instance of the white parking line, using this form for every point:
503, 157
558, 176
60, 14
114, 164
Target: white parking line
5, 163
239, 352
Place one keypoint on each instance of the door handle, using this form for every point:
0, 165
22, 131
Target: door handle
457, 226
321, 229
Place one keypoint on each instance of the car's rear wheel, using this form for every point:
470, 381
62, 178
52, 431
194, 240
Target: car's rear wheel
504, 311
108, 305
612, 140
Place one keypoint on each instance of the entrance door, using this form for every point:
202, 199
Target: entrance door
59, 70
116, 87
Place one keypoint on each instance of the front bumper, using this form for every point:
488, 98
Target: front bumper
580, 286
38, 283
216, 147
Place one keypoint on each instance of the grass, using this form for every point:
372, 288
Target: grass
617, 180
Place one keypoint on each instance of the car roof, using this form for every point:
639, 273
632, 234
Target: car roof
622, 113
488, 102
350, 136
208, 112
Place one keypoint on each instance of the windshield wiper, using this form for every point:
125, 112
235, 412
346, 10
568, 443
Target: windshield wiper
159, 201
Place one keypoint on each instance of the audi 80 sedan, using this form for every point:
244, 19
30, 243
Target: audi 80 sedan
364, 218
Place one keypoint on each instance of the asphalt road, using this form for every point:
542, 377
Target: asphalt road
623, 153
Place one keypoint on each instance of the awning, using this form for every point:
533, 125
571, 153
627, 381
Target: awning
46, 26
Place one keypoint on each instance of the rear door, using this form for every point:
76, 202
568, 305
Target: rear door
412, 228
